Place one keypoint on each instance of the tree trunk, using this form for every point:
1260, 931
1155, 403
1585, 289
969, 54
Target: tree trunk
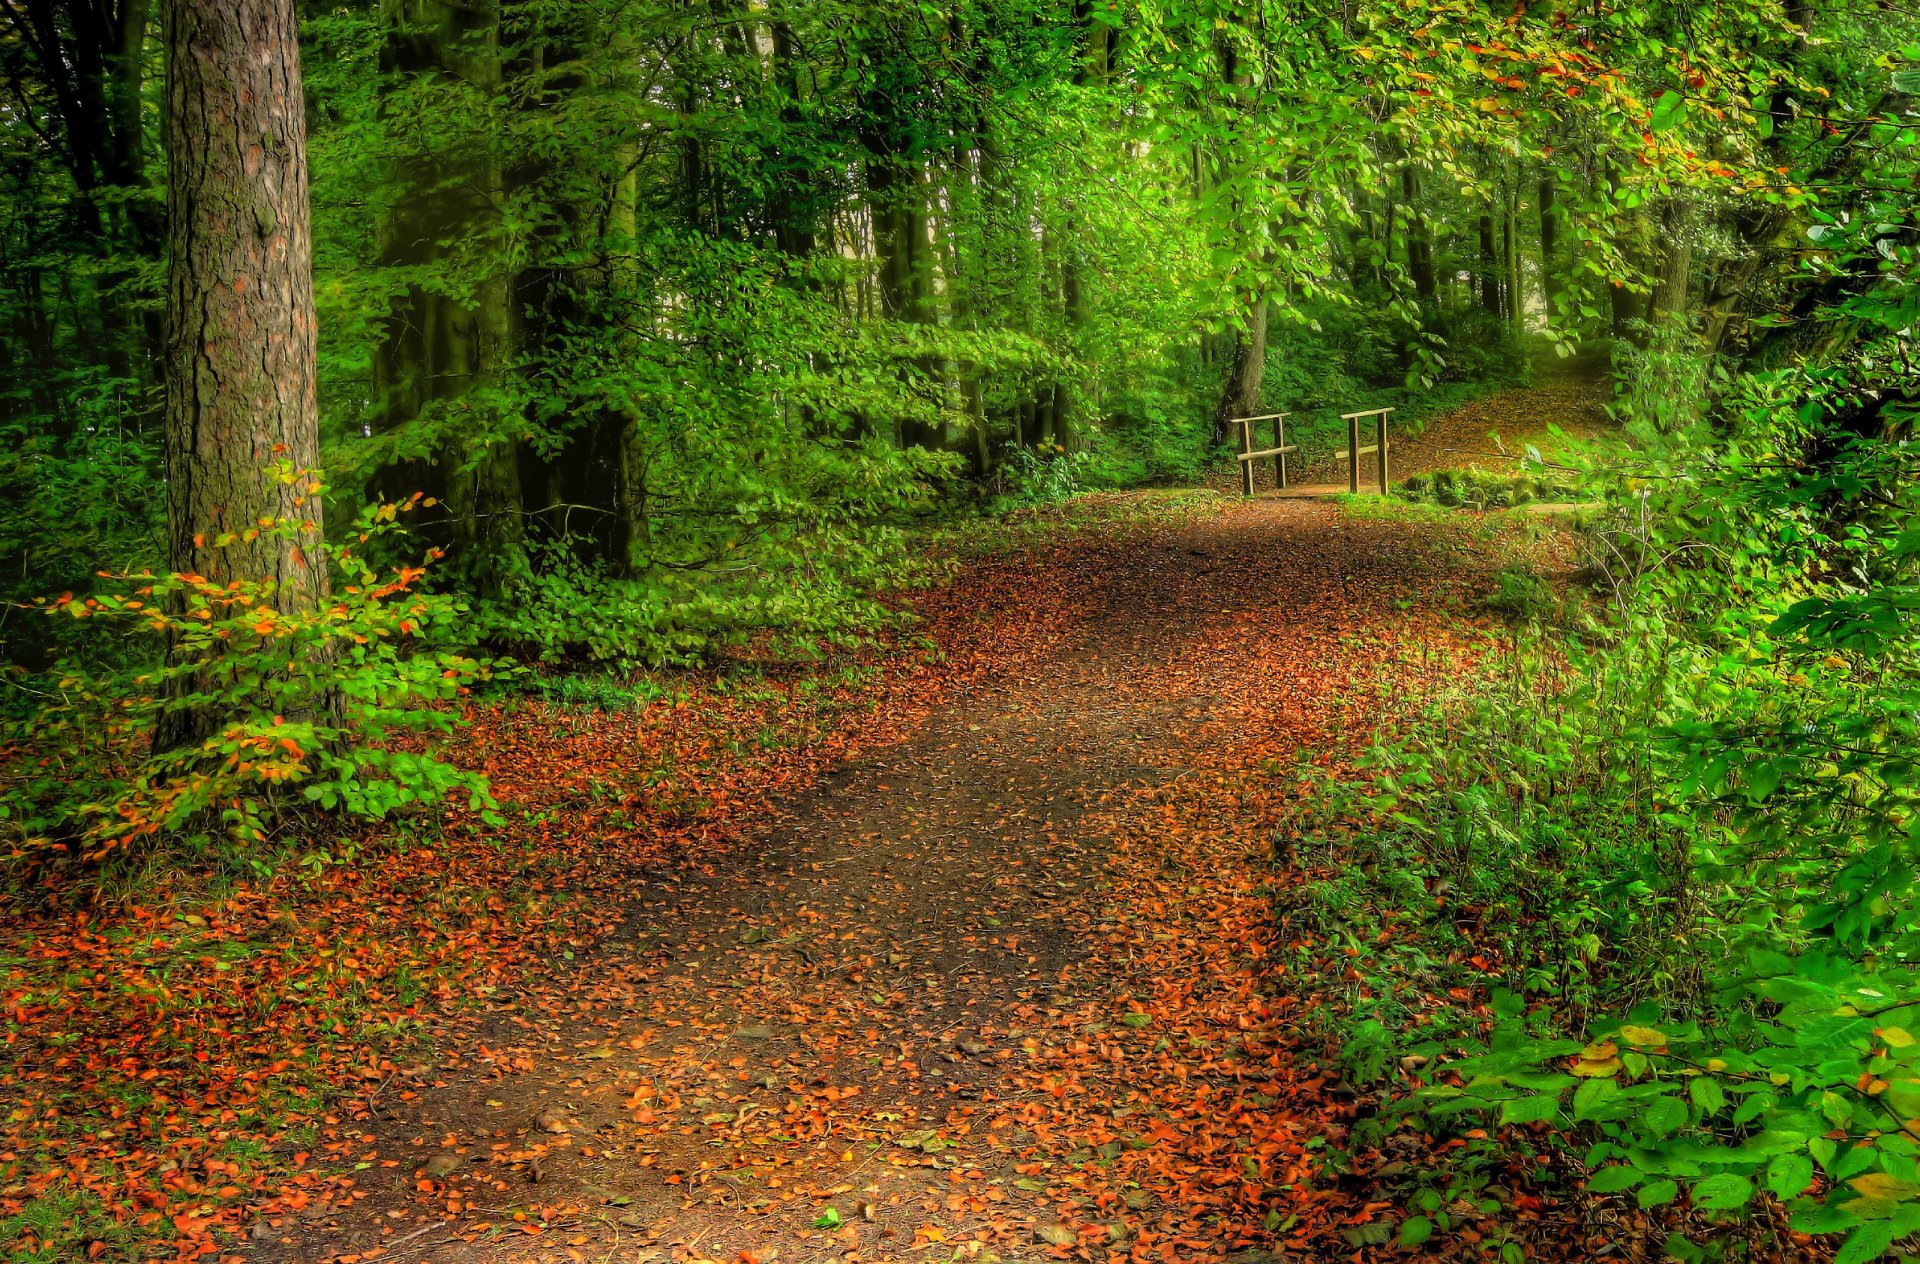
1672, 287
797, 197
239, 363
1489, 277
1419, 237
1515, 285
1549, 244
442, 353
1240, 397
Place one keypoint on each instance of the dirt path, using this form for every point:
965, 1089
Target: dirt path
1002, 989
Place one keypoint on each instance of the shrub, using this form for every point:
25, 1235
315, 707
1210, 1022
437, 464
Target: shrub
306, 702
1687, 835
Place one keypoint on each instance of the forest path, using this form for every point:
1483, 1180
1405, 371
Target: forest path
1003, 989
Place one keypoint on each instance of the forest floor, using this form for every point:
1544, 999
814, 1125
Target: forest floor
1005, 985
965, 954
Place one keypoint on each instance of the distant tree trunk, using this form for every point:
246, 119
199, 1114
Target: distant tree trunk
440, 347
1549, 244
1489, 277
1515, 282
797, 198
92, 57
896, 201
239, 364
1419, 237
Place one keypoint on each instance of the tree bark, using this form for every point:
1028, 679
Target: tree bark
1240, 397
1489, 278
1419, 237
1672, 287
239, 362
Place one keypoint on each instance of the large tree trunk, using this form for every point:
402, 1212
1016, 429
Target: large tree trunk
240, 322
1672, 286
1240, 396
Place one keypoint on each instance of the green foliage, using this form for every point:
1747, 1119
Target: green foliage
1685, 824
306, 699
1483, 489
76, 502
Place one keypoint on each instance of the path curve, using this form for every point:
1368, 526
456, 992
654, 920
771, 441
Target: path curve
1003, 989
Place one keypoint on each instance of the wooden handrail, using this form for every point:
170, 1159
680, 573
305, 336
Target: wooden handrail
1355, 451
1278, 451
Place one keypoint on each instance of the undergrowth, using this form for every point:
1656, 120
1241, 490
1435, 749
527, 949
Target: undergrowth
1631, 909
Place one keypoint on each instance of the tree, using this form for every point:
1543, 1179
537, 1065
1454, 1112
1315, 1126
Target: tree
240, 347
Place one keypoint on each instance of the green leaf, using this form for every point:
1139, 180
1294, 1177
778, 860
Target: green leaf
1789, 1174
1868, 1242
1611, 1180
1414, 1230
1527, 1110
1668, 110
1723, 1192
1658, 1192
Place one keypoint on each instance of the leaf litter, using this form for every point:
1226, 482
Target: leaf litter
972, 959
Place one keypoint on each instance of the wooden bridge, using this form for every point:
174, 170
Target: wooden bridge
1281, 449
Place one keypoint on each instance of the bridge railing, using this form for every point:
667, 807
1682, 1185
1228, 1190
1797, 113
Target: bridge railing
1278, 451
1249, 454
1355, 451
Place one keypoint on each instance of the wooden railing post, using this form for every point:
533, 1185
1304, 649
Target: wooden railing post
1248, 454
1380, 430
1378, 447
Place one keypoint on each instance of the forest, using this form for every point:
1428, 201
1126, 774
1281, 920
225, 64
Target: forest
668, 630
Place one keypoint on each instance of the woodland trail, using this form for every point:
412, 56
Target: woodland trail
1005, 988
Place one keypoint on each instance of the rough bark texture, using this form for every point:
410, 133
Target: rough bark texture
1674, 282
240, 322
1240, 396
240, 331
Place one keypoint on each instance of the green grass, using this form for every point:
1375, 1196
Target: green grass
58, 1227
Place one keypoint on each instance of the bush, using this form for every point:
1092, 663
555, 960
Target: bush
1685, 839
307, 704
